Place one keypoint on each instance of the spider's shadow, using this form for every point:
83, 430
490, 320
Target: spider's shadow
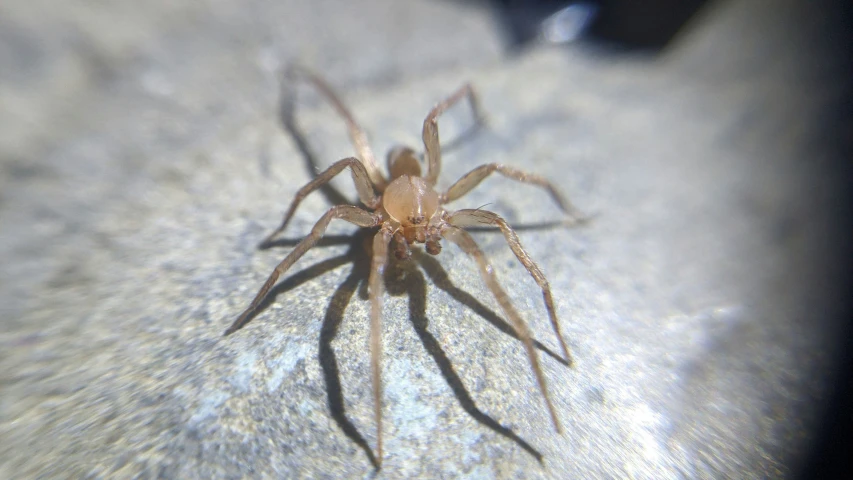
286, 110
413, 284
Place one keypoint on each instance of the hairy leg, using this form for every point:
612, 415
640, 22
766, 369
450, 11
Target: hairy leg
430, 132
466, 243
375, 289
349, 213
359, 176
356, 134
474, 177
462, 218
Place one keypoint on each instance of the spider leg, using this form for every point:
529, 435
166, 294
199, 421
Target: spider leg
464, 240
462, 218
356, 134
474, 177
375, 290
349, 213
430, 133
359, 176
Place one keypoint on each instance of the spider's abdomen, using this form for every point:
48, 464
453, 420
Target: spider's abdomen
410, 200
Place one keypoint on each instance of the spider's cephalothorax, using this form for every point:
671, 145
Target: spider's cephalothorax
407, 209
412, 205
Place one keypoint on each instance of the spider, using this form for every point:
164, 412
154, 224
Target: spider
406, 209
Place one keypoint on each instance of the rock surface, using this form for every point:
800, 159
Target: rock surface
142, 162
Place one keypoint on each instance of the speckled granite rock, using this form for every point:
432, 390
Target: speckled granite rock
142, 162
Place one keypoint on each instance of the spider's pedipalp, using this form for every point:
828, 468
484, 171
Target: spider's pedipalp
401, 247
433, 247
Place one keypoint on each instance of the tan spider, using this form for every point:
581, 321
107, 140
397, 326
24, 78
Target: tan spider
407, 209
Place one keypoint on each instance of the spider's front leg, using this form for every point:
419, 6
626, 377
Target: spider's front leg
432, 144
462, 218
350, 213
360, 177
463, 239
375, 290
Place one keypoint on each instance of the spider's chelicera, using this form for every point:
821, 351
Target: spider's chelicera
408, 210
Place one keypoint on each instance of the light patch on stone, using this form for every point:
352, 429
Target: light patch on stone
469, 439
411, 414
645, 431
244, 368
479, 472
286, 362
208, 406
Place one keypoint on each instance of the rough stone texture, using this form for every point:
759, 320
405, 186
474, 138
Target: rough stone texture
142, 162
